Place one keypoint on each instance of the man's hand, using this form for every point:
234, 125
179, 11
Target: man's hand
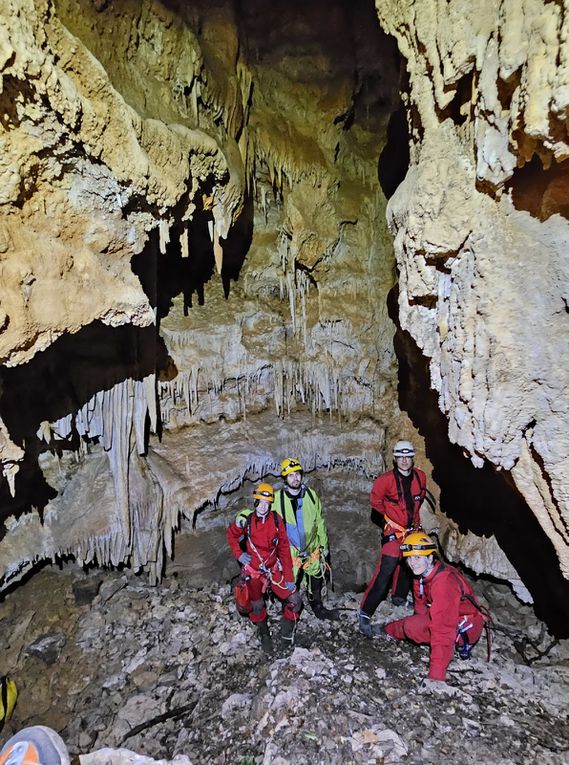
244, 559
290, 586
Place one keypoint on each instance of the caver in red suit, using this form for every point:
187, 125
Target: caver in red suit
397, 498
441, 605
266, 542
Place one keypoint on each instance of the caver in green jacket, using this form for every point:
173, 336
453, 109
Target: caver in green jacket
306, 530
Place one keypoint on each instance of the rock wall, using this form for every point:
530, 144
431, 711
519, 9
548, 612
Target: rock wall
219, 174
480, 227
195, 261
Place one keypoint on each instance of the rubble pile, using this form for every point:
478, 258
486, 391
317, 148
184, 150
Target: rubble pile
111, 662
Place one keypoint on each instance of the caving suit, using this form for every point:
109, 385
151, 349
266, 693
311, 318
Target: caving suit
308, 537
443, 600
397, 498
266, 541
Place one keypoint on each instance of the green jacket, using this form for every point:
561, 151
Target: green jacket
309, 537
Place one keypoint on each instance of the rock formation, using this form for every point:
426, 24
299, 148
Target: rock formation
243, 150
195, 260
480, 232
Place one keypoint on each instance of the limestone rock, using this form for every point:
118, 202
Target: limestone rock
144, 671
480, 251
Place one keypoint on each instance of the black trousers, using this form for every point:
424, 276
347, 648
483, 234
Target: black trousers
314, 586
379, 585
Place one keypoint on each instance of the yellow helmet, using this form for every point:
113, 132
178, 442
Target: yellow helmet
290, 466
418, 543
264, 491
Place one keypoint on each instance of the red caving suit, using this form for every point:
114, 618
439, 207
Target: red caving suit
440, 604
267, 544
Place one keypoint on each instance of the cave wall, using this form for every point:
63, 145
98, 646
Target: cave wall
195, 261
480, 231
228, 166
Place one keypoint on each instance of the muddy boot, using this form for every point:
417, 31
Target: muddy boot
288, 628
321, 612
265, 636
364, 624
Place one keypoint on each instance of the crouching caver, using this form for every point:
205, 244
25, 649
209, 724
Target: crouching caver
447, 615
259, 541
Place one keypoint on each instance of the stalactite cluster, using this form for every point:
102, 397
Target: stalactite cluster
191, 179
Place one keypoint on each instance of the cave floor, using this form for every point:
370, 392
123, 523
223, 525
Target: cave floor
174, 670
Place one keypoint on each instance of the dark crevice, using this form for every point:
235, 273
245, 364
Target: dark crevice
541, 192
482, 500
427, 301
394, 159
506, 89
459, 109
236, 246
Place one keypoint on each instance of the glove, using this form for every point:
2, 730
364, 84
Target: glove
290, 586
244, 558
295, 601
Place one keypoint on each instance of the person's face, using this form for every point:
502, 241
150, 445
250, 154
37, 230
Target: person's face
404, 464
420, 564
263, 507
294, 479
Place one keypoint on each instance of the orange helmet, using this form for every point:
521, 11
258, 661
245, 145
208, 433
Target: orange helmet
264, 491
418, 543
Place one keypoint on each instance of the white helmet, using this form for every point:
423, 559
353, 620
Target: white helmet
404, 449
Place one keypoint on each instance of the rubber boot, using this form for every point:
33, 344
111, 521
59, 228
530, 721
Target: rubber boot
315, 601
265, 636
367, 628
364, 623
321, 612
288, 628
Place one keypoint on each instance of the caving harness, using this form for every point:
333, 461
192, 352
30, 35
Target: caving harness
401, 531
268, 573
303, 559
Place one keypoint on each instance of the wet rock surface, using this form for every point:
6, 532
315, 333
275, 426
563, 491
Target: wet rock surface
175, 671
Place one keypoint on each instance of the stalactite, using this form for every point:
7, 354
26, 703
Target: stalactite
217, 252
164, 234
294, 285
184, 243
